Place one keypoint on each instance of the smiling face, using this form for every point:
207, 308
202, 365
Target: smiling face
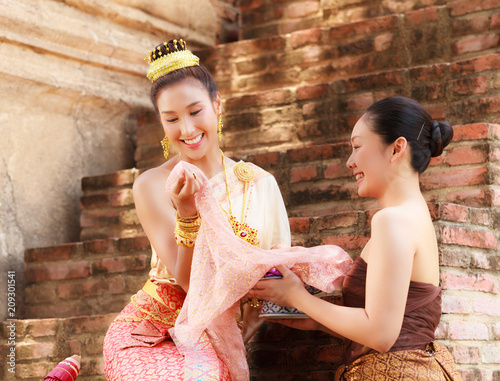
369, 160
189, 118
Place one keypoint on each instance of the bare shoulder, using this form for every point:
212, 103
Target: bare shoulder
150, 180
393, 220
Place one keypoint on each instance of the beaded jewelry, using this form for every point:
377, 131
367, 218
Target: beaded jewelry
242, 230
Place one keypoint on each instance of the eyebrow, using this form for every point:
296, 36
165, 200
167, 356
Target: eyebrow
188, 106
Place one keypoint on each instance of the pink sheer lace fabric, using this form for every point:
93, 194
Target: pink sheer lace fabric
225, 268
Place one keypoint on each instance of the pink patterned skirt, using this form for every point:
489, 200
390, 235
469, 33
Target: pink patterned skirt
138, 347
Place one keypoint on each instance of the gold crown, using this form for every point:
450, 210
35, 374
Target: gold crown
173, 60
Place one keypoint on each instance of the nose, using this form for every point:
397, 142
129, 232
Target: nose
350, 162
187, 127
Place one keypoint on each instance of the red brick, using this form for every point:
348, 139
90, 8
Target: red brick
53, 253
346, 241
470, 132
89, 324
475, 25
99, 246
475, 65
453, 235
362, 28
472, 197
428, 72
469, 86
456, 305
75, 346
312, 91
246, 5
374, 80
335, 171
437, 110
487, 306
465, 330
454, 177
481, 282
454, 212
302, 9
300, 225
265, 160
466, 355
495, 21
304, 173
462, 7
358, 102
319, 152
306, 37
339, 220
383, 42
467, 155
37, 370
32, 351
133, 244
423, 16
57, 271
441, 331
91, 287
119, 264
479, 216
120, 178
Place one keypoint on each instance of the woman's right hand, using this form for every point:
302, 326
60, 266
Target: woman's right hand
183, 191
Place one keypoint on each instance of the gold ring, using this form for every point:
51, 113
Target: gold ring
194, 175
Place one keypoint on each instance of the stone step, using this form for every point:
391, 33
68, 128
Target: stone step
85, 278
41, 343
314, 181
297, 115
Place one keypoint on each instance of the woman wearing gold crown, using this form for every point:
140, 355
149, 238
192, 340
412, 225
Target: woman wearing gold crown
138, 345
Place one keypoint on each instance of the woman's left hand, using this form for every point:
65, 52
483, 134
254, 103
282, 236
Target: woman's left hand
282, 292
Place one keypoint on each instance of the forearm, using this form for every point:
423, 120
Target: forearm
351, 323
183, 266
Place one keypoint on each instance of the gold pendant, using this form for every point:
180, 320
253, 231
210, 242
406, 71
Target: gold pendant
243, 231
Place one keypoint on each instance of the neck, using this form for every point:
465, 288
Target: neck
210, 164
400, 190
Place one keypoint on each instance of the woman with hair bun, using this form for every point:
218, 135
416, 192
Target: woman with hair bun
138, 345
391, 295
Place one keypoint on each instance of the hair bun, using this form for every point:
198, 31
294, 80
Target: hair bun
441, 136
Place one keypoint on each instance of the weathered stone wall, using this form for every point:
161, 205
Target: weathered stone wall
73, 79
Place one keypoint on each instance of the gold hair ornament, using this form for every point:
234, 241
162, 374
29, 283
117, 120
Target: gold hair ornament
173, 60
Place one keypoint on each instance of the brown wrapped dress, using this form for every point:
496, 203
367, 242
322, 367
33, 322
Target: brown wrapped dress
415, 355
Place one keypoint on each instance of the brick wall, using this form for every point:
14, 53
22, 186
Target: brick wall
266, 18
310, 86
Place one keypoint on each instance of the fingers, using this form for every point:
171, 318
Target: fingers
284, 270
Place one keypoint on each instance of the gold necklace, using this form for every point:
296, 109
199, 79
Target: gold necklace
245, 173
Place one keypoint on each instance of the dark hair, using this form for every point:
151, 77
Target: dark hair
396, 117
197, 72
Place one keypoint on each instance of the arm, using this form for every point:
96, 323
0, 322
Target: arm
156, 212
377, 325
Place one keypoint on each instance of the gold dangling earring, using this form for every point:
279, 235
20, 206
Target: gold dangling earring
219, 128
164, 145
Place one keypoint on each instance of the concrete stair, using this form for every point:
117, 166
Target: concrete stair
293, 99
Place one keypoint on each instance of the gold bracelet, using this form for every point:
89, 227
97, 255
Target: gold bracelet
186, 229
